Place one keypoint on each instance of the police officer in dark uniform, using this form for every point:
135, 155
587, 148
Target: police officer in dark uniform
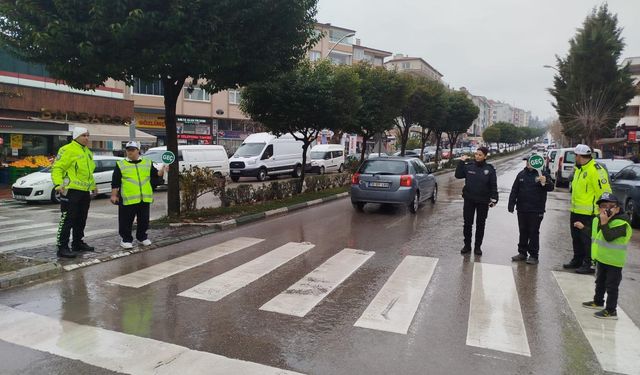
529, 197
480, 192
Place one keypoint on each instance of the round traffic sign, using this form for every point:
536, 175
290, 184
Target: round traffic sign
536, 162
168, 157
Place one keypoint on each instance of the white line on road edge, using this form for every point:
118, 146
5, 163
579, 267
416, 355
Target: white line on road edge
395, 305
49, 241
16, 221
304, 295
495, 317
116, 351
615, 342
222, 285
174, 266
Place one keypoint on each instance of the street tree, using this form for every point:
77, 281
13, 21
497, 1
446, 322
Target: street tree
414, 107
219, 45
491, 134
381, 94
461, 112
303, 102
591, 88
435, 110
508, 132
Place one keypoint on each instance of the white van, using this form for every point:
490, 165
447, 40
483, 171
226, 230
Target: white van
204, 156
561, 168
327, 158
263, 154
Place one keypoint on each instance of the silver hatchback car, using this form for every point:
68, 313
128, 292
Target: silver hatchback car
393, 180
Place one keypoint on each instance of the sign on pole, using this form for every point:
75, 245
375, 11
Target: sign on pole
168, 157
537, 163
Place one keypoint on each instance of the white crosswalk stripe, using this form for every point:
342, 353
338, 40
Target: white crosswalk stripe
27, 227
220, 286
616, 343
174, 266
495, 318
115, 351
50, 240
394, 306
99, 215
6, 223
18, 236
304, 295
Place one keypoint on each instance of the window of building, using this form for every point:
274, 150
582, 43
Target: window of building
196, 93
358, 54
406, 65
377, 61
340, 59
336, 36
314, 55
147, 88
234, 97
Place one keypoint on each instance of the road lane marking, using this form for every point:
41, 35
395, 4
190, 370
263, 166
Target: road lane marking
16, 221
20, 236
222, 285
30, 226
116, 351
174, 266
615, 342
99, 215
304, 295
49, 241
395, 305
495, 317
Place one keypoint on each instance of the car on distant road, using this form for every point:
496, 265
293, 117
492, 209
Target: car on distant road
626, 187
393, 180
38, 186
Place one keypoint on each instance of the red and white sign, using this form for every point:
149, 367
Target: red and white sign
631, 136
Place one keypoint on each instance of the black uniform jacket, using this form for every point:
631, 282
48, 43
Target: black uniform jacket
527, 195
481, 184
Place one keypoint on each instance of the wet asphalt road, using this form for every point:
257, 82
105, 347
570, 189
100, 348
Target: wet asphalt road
325, 341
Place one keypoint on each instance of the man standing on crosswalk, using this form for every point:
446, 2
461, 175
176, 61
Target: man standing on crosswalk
72, 176
132, 190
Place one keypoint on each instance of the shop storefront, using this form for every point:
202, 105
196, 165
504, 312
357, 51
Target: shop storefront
22, 138
194, 131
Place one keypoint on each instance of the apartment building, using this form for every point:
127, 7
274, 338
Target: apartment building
500, 112
413, 65
482, 121
631, 119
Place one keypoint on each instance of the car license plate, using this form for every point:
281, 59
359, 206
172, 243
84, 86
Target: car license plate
235, 172
379, 184
20, 197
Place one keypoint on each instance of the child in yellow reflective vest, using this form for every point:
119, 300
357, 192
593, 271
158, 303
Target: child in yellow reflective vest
610, 236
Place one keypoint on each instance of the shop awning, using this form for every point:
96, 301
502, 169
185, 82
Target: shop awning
105, 132
610, 141
29, 126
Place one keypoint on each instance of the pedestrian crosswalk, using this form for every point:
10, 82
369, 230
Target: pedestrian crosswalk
495, 313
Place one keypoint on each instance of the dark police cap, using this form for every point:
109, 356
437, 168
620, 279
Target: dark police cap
608, 197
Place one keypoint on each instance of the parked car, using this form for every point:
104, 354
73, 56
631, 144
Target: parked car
414, 153
393, 180
613, 166
38, 186
377, 155
263, 154
204, 156
626, 186
327, 158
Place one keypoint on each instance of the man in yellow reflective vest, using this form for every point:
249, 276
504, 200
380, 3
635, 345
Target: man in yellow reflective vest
132, 191
72, 176
590, 180
610, 236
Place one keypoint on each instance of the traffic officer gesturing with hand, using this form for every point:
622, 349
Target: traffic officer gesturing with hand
72, 176
590, 180
480, 192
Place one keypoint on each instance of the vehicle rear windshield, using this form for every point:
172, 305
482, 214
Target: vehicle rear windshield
154, 156
569, 157
249, 149
384, 167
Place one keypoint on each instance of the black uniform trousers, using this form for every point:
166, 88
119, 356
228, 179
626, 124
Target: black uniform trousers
581, 238
126, 215
608, 280
75, 208
529, 226
469, 210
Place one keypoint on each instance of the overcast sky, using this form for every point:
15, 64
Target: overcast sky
494, 48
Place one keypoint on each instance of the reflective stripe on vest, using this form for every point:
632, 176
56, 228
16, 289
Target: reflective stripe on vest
136, 182
613, 253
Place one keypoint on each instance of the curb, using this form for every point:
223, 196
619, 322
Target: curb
52, 269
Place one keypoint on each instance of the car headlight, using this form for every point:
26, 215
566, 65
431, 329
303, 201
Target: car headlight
314, 163
251, 161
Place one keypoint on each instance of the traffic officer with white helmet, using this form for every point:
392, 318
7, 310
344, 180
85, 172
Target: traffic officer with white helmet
590, 180
132, 190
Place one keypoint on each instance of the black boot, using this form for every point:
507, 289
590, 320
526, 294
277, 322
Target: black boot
65, 252
574, 263
585, 269
477, 250
466, 249
81, 247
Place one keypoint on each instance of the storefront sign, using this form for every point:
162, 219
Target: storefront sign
232, 134
632, 136
146, 120
16, 141
47, 114
195, 136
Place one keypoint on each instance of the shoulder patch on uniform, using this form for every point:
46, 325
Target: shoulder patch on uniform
486, 171
598, 166
604, 180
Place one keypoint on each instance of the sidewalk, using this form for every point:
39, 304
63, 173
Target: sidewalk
5, 192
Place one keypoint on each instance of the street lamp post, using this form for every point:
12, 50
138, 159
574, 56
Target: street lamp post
338, 42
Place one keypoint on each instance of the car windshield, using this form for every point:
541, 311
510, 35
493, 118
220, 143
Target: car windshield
249, 149
155, 156
318, 155
45, 170
384, 167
